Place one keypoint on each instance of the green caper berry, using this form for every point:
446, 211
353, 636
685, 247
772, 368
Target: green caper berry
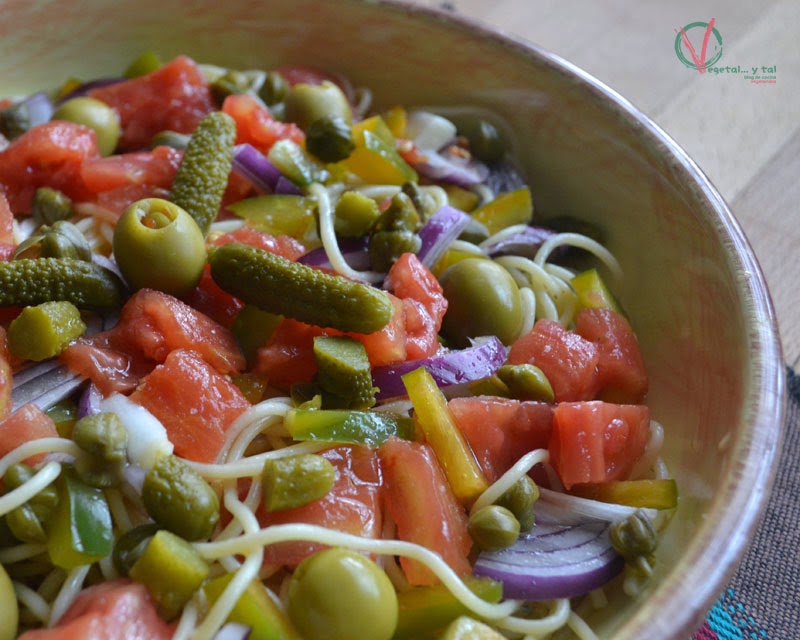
400, 215
172, 139
25, 525
297, 480
491, 386
485, 142
526, 382
493, 527
355, 214
230, 83
50, 206
519, 500
15, 120
422, 203
634, 537
274, 89
475, 232
17, 475
385, 247
180, 500
330, 138
27, 521
130, 545
61, 240
102, 435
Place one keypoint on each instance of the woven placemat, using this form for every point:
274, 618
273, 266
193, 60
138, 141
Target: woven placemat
762, 599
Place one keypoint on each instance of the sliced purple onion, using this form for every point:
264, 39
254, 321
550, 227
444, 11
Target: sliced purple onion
86, 87
485, 356
524, 243
354, 250
233, 631
89, 402
255, 167
446, 167
555, 559
285, 187
437, 233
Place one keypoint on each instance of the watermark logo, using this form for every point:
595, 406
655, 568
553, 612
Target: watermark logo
698, 46
709, 41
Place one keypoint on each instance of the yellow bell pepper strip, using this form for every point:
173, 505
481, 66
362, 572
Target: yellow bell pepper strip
593, 292
375, 158
650, 494
255, 609
396, 119
79, 531
513, 207
424, 611
172, 570
347, 427
279, 215
433, 417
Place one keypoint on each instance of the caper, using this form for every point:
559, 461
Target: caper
296, 480
485, 142
634, 537
130, 545
385, 247
96, 115
400, 215
306, 103
330, 138
519, 500
483, 299
493, 527
27, 521
355, 214
180, 500
231, 82
423, 203
50, 206
61, 240
274, 89
105, 439
526, 382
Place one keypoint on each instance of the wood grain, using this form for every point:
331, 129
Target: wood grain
744, 136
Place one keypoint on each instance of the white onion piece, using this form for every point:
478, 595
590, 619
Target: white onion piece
428, 130
147, 437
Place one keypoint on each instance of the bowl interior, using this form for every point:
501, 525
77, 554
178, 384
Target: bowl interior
692, 286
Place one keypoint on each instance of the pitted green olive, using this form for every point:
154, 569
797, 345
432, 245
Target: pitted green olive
483, 300
306, 103
96, 115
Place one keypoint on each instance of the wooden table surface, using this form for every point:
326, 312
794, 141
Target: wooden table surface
744, 135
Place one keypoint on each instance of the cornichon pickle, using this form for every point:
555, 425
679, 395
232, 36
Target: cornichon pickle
281, 286
203, 173
297, 480
31, 281
45, 330
343, 370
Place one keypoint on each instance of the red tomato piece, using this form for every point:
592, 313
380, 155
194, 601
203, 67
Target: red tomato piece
568, 360
6, 376
622, 376
26, 423
194, 402
500, 431
6, 222
109, 610
111, 369
255, 124
389, 345
174, 97
49, 155
423, 301
353, 505
288, 356
422, 505
156, 168
597, 441
282, 245
296, 74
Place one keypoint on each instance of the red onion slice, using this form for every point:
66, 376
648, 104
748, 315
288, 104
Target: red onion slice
554, 559
445, 167
439, 231
525, 243
485, 356
86, 87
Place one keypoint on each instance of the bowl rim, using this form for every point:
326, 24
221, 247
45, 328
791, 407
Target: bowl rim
751, 471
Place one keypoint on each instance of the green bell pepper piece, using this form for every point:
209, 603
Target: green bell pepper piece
279, 215
349, 427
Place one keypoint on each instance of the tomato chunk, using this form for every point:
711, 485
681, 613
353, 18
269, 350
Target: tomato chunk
116, 609
597, 441
621, 374
26, 423
568, 360
500, 431
174, 97
255, 124
423, 507
193, 401
352, 505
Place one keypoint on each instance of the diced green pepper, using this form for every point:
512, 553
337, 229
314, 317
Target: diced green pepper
79, 531
279, 215
296, 480
375, 158
425, 611
434, 418
171, 570
593, 292
349, 427
297, 165
45, 330
343, 370
255, 609
650, 494
513, 207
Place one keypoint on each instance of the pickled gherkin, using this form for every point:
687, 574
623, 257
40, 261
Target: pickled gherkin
45, 330
203, 173
288, 288
344, 371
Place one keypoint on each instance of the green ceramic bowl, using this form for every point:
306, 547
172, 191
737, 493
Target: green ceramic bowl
693, 287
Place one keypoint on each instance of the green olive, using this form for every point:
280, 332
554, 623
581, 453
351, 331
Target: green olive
96, 115
339, 594
493, 527
483, 300
158, 245
9, 608
306, 103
